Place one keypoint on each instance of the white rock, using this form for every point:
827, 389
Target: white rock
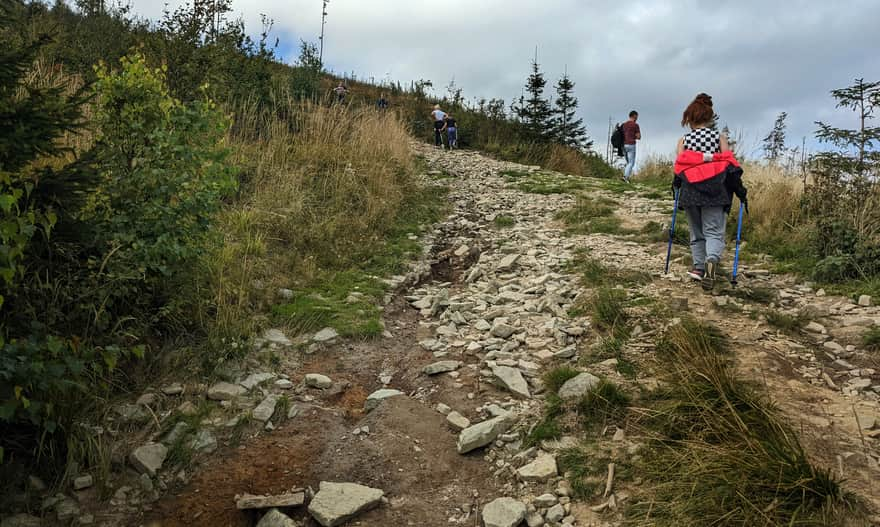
815, 327
508, 262
276, 336
275, 518
481, 434
576, 387
284, 384
83, 482
173, 389
316, 380
263, 412
325, 335
544, 500
441, 367
148, 458
224, 391
457, 422
442, 408
865, 301
556, 513
511, 379
541, 469
504, 512
502, 330
376, 398
336, 503
256, 379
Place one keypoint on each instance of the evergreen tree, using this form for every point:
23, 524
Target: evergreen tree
855, 156
774, 142
568, 129
534, 110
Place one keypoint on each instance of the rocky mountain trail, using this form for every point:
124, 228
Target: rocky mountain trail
429, 425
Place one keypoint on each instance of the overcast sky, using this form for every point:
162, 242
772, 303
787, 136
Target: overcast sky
755, 57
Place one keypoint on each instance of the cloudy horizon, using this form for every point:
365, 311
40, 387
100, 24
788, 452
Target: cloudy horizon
755, 59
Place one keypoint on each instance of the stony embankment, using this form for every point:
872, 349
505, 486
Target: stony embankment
428, 425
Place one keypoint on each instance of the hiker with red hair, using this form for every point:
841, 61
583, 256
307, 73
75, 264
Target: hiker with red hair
707, 174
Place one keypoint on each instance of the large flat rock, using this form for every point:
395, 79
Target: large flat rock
441, 367
504, 512
576, 387
293, 498
376, 398
148, 458
481, 434
540, 470
336, 503
512, 380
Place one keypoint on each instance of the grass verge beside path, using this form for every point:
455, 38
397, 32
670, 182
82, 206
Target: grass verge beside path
325, 214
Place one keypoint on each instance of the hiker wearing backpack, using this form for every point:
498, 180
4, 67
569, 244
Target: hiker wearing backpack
631, 134
706, 176
439, 118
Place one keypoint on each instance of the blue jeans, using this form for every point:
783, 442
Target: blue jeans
630, 161
452, 137
707, 226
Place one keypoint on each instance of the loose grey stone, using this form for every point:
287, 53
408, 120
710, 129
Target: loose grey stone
512, 379
544, 500
83, 482
263, 412
224, 391
457, 422
441, 367
556, 513
376, 398
316, 380
815, 327
335, 503
576, 387
284, 384
204, 441
443, 408
173, 389
294, 411
481, 434
504, 512
255, 379
286, 294
148, 458
541, 469
276, 336
508, 262
325, 335
502, 330
275, 518
865, 301
293, 498
66, 510
533, 519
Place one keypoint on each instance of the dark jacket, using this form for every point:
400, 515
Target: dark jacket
708, 184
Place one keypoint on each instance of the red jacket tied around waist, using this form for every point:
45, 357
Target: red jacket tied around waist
708, 183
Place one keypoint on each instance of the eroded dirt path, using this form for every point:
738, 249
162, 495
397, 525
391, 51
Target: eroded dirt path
494, 293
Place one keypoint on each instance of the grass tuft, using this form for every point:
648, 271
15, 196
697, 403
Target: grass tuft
603, 404
555, 378
720, 453
608, 309
503, 221
784, 322
871, 339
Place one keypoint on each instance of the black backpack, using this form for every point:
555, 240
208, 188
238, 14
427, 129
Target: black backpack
617, 137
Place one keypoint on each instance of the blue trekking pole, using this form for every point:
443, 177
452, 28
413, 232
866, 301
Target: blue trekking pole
672, 230
739, 226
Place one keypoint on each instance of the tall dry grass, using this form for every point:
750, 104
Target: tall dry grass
319, 186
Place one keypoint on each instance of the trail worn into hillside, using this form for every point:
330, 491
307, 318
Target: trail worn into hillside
469, 334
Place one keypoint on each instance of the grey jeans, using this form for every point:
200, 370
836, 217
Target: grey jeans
707, 234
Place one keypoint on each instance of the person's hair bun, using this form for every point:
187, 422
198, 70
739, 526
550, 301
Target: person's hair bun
704, 99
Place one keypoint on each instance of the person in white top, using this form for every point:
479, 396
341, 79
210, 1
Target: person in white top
439, 117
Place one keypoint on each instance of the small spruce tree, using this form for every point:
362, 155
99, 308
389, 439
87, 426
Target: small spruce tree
568, 129
534, 109
774, 142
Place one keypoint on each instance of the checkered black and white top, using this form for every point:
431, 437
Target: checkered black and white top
705, 140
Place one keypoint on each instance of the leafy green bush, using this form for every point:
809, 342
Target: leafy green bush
163, 175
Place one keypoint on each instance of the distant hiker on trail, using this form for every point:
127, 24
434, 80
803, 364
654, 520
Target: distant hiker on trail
631, 134
451, 131
439, 117
341, 91
707, 175
382, 103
